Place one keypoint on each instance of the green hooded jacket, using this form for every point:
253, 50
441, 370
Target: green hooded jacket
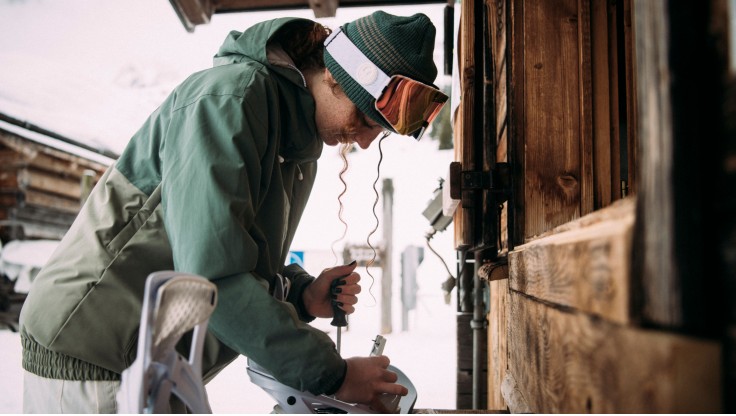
214, 183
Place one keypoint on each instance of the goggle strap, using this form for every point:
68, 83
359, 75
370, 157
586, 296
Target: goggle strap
356, 64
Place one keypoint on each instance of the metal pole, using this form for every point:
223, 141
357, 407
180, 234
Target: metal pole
386, 266
478, 325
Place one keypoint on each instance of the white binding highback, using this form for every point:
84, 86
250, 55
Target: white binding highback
173, 304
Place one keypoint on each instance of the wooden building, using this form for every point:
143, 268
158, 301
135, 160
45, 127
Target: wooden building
596, 179
44, 178
597, 193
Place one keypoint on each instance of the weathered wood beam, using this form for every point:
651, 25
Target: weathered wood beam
43, 199
464, 219
24, 152
570, 362
323, 8
53, 184
583, 265
513, 396
193, 12
498, 325
240, 6
657, 262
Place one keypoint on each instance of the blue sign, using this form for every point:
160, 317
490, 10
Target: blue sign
295, 257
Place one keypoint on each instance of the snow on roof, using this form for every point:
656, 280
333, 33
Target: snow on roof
56, 143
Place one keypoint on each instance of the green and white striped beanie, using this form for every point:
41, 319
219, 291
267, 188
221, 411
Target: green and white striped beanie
398, 45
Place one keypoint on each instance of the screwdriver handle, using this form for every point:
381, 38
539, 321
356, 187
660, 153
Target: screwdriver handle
338, 315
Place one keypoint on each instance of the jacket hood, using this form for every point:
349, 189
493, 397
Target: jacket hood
253, 45
250, 44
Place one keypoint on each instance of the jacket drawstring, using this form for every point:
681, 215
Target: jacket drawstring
300, 176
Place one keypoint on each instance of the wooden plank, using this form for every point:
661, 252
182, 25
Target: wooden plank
53, 165
41, 181
19, 199
632, 116
617, 97
46, 200
497, 22
513, 396
229, 6
42, 216
501, 103
516, 120
602, 71
552, 115
619, 210
497, 342
32, 229
464, 217
48, 157
587, 185
566, 362
323, 8
585, 268
655, 265
10, 198
9, 180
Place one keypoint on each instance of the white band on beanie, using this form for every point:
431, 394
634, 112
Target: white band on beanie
356, 64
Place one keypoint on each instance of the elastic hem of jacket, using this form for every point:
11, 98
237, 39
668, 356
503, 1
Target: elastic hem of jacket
338, 381
50, 364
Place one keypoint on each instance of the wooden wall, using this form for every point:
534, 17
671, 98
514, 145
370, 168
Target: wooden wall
40, 188
605, 308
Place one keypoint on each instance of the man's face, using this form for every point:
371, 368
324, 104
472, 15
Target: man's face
337, 118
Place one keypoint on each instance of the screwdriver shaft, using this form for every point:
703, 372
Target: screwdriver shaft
339, 332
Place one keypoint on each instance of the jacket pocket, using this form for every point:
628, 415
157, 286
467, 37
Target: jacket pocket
135, 223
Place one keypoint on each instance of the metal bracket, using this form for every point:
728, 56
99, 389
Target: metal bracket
497, 181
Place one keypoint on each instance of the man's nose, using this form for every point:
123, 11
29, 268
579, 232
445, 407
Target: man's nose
365, 139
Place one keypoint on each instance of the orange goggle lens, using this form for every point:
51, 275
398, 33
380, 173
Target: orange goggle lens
410, 106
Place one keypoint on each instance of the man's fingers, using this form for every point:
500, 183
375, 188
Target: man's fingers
390, 376
345, 289
345, 268
393, 388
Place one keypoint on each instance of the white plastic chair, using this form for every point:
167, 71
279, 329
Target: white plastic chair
173, 304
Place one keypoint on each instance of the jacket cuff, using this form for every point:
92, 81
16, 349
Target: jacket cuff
299, 279
332, 389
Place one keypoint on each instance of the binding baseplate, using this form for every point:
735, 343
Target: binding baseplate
290, 400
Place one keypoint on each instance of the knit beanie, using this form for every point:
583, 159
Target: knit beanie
398, 45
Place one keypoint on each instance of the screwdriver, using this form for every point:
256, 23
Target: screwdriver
338, 315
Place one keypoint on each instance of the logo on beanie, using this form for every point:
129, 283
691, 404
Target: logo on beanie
366, 73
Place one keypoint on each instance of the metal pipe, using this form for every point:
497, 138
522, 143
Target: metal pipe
478, 324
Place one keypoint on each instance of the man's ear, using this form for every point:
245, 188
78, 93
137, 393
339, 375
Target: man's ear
328, 77
332, 83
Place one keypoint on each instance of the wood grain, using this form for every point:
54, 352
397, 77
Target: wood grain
568, 362
586, 267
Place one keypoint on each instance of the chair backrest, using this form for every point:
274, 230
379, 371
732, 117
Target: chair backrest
173, 304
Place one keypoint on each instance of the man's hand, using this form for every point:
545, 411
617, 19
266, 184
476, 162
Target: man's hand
317, 296
366, 379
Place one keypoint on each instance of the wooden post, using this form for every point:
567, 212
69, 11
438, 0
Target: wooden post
87, 183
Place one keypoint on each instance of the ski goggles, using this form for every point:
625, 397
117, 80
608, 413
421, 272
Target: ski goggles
407, 105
